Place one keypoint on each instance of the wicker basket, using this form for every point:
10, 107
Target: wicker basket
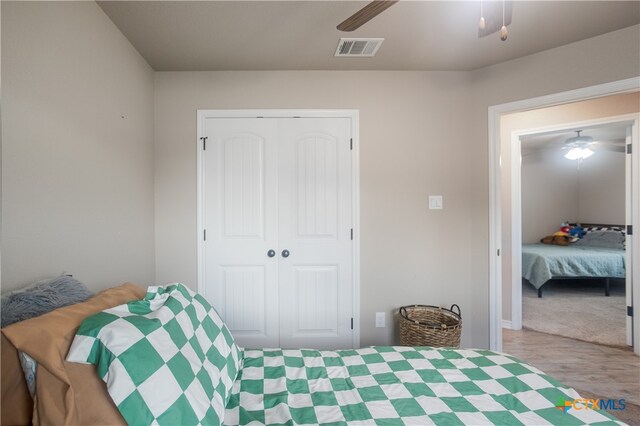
424, 325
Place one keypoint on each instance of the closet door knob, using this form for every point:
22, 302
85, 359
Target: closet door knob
271, 253
285, 253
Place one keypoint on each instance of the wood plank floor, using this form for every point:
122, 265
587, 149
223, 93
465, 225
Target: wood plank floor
594, 369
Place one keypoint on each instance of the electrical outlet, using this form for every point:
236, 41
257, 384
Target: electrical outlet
380, 320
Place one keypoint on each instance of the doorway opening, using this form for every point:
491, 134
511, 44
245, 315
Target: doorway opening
568, 269
501, 189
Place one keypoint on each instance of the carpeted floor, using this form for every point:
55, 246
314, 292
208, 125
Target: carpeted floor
577, 309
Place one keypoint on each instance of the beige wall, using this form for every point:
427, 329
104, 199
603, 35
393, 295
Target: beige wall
549, 193
601, 191
579, 111
77, 145
409, 148
555, 190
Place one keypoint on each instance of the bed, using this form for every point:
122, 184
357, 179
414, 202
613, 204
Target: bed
396, 385
600, 255
375, 385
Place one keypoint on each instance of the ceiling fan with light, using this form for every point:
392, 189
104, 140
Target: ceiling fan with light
494, 16
580, 147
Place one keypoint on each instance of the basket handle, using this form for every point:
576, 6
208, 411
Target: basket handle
459, 312
403, 312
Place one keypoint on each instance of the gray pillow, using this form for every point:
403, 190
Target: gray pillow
42, 297
602, 239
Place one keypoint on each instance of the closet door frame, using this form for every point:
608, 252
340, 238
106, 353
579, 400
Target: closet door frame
353, 115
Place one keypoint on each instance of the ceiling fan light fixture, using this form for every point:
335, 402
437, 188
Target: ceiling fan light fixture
579, 144
586, 153
578, 153
573, 154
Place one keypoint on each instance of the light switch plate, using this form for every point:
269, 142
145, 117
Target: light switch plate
435, 202
380, 320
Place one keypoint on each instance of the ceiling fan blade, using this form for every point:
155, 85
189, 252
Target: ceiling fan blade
612, 145
613, 148
365, 14
493, 17
617, 142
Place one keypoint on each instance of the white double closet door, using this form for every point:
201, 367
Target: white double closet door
277, 210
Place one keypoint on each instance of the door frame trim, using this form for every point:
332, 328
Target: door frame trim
354, 116
495, 188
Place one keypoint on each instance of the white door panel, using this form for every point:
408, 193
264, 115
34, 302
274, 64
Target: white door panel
315, 188
315, 220
240, 201
242, 286
243, 179
315, 300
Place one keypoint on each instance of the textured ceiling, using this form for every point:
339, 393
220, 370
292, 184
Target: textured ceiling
302, 35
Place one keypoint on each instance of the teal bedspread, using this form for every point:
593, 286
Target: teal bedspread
541, 262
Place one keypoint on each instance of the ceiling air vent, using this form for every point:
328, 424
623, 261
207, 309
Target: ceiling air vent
358, 47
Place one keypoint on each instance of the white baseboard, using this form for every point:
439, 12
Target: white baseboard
506, 324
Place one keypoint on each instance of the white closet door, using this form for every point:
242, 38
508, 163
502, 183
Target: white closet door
315, 221
240, 194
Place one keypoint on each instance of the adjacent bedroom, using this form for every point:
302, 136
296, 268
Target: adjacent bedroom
567, 197
573, 234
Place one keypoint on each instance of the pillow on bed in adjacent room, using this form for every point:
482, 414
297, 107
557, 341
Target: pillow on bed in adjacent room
42, 297
603, 239
598, 228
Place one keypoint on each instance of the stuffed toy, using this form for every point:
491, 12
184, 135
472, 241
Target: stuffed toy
577, 231
558, 240
562, 237
563, 232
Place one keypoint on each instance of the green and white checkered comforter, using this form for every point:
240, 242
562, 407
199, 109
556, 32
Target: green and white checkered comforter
398, 385
170, 360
